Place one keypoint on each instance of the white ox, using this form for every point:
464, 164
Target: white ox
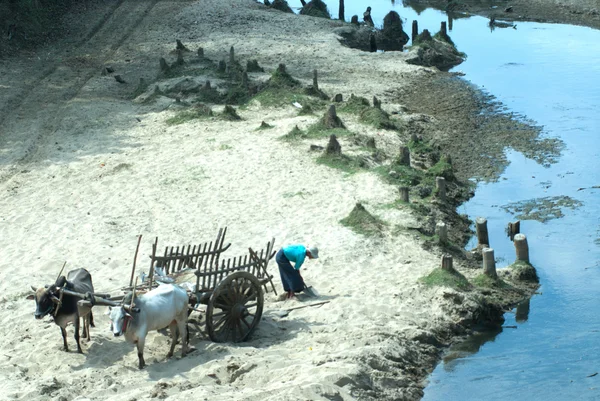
164, 306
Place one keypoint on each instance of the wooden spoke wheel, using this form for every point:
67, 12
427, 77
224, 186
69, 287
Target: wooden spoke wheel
235, 308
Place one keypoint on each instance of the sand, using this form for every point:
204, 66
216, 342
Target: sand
84, 171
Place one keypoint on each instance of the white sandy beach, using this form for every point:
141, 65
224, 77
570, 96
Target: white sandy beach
95, 177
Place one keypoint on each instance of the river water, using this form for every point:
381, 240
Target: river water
549, 73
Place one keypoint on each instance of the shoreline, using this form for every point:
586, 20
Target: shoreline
391, 357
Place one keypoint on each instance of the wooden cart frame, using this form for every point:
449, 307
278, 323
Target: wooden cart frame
231, 289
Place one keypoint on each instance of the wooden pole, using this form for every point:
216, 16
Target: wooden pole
482, 231
443, 29
404, 158
447, 262
231, 55
341, 11
315, 80
403, 194
415, 30
442, 231
137, 248
521, 247
489, 263
440, 184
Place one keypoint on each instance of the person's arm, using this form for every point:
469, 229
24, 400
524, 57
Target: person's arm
300, 260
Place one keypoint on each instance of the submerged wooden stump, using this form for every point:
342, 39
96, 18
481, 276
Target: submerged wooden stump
338, 98
404, 157
482, 231
376, 103
403, 194
415, 30
447, 263
513, 229
440, 184
181, 46
354, 19
521, 247
372, 44
489, 263
333, 147
200, 52
331, 120
442, 232
180, 57
164, 66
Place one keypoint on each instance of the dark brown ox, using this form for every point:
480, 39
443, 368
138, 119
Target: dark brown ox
66, 310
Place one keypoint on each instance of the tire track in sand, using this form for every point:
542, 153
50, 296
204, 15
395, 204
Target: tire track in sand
39, 108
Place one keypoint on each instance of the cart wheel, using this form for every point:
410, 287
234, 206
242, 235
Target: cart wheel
235, 308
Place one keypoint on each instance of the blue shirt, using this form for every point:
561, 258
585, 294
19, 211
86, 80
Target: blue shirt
296, 254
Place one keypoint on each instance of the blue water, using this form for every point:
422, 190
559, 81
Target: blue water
549, 73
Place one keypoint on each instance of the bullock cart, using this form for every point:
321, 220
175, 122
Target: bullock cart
232, 289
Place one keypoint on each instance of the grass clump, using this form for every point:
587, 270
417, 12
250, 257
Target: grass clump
446, 278
200, 111
316, 8
252, 66
282, 5
230, 114
264, 126
294, 135
485, 281
442, 168
402, 175
419, 146
363, 222
319, 130
377, 118
341, 162
523, 271
354, 105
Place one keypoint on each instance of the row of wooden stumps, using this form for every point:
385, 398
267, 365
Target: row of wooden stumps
489, 261
415, 30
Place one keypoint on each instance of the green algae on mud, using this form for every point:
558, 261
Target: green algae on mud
542, 209
470, 126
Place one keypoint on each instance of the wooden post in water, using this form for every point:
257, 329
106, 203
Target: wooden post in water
403, 194
315, 80
415, 30
482, 231
447, 262
443, 29
513, 229
440, 184
231, 55
489, 263
341, 11
521, 247
442, 231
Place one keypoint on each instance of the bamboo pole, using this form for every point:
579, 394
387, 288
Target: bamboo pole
137, 248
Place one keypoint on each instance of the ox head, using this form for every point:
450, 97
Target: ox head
119, 320
121, 316
46, 299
